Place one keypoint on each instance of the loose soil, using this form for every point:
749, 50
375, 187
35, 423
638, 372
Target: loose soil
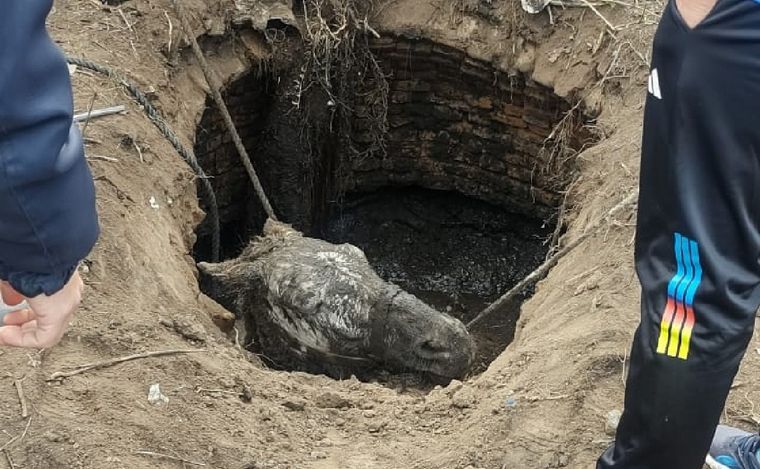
541, 404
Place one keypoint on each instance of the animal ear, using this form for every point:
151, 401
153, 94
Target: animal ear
227, 271
213, 270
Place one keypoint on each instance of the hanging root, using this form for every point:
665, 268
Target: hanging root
567, 140
339, 62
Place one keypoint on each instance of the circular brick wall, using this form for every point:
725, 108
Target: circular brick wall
457, 124
454, 124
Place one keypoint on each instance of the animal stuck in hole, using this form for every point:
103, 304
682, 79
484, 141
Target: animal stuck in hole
314, 306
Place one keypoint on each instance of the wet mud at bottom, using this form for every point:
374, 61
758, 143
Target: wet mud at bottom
456, 253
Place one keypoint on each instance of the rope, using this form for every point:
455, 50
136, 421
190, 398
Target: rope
162, 125
216, 95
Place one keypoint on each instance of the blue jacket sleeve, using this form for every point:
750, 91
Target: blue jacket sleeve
48, 221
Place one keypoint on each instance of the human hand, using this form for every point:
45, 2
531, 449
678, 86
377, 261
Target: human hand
42, 324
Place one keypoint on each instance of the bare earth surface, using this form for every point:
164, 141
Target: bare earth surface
542, 404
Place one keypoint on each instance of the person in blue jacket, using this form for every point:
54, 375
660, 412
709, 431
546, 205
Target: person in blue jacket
48, 219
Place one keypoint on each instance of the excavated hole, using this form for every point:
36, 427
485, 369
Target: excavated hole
459, 208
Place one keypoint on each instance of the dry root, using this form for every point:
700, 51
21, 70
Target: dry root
340, 63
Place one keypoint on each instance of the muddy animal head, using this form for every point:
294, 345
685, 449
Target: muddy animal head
306, 294
406, 332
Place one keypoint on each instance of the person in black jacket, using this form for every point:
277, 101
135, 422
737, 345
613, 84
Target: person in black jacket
697, 240
48, 220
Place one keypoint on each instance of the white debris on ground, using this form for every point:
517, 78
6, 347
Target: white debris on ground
534, 6
155, 396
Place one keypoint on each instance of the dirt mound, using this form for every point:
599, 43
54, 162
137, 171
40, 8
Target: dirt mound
542, 403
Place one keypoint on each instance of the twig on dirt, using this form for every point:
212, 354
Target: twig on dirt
124, 17
638, 54
89, 114
18, 437
35, 358
171, 33
139, 151
107, 363
547, 398
100, 6
21, 398
167, 456
593, 8
217, 97
104, 158
544, 268
8, 458
218, 391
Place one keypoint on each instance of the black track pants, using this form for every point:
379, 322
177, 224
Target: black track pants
698, 236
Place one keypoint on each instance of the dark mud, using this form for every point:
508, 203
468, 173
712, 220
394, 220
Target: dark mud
456, 253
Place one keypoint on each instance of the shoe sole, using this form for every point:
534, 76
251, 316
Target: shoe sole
713, 464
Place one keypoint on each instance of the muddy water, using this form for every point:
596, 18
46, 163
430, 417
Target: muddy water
456, 253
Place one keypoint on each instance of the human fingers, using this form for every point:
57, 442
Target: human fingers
30, 326
51, 318
10, 296
17, 318
31, 335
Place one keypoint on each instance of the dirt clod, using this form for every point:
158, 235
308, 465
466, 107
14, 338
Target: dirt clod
295, 405
331, 400
192, 332
464, 399
54, 436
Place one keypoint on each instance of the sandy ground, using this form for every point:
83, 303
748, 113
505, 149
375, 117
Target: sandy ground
542, 404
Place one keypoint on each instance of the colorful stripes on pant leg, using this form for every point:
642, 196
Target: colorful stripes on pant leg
678, 317
690, 293
670, 306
